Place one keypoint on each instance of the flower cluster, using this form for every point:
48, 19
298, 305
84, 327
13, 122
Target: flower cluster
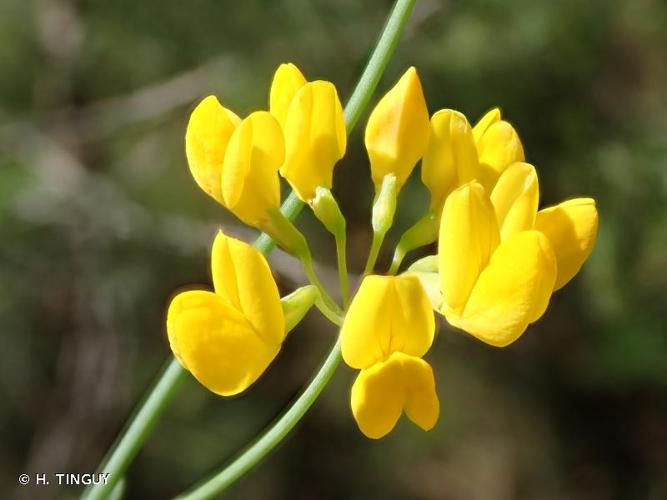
499, 258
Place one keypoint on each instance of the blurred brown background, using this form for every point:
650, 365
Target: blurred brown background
100, 222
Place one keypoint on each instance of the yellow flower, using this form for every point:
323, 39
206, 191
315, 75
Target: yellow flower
227, 338
206, 137
451, 157
498, 146
315, 138
311, 116
250, 183
381, 393
236, 162
386, 331
500, 259
571, 226
458, 153
492, 289
287, 81
397, 130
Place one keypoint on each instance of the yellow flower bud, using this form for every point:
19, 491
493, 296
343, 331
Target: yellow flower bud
315, 138
485, 122
208, 132
228, 338
498, 146
250, 183
287, 81
397, 130
388, 314
450, 159
382, 392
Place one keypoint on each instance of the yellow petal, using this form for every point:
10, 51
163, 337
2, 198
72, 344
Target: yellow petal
287, 80
498, 147
206, 137
515, 198
397, 130
468, 237
242, 276
216, 343
512, 292
485, 122
450, 159
388, 314
250, 183
315, 138
381, 393
572, 229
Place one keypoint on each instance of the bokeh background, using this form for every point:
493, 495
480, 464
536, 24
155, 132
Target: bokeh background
100, 223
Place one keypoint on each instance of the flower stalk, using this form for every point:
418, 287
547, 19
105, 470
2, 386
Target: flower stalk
384, 208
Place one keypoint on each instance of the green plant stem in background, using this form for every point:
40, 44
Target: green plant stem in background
373, 253
139, 428
341, 257
144, 420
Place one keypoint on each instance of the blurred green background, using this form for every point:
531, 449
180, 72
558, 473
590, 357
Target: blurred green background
100, 223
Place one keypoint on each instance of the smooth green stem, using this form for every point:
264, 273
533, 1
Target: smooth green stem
118, 491
396, 261
423, 232
341, 254
384, 208
309, 269
290, 208
139, 427
332, 316
326, 209
378, 238
257, 451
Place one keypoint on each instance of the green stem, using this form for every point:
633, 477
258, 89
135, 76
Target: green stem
378, 238
384, 208
341, 254
144, 420
139, 428
332, 316
423, 232
309, 269
251, 456
399, 255
326, 209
